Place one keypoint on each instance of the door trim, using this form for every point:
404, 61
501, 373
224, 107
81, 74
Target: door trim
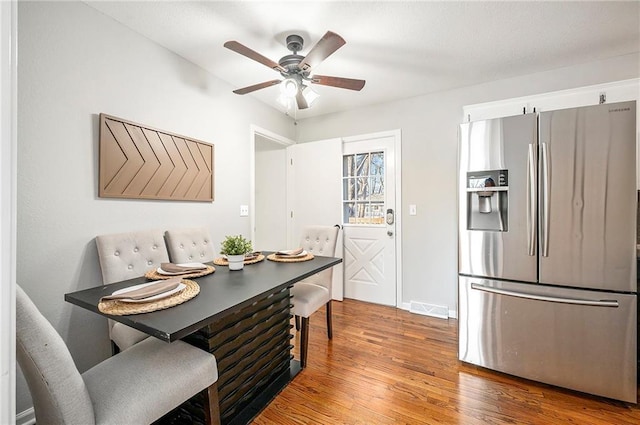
8, 200
254, 131
397, 142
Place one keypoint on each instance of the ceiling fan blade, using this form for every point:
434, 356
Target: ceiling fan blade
343, 83
252, 54
302, 102
328, 44
255, 87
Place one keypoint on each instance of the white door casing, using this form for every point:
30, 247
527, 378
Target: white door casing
314, 186
372, 245
8, 164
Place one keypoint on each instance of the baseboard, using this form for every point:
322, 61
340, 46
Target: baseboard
27, 417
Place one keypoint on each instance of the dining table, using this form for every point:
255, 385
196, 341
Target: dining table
242, 317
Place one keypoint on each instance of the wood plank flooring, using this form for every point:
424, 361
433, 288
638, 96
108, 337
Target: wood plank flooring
388, 366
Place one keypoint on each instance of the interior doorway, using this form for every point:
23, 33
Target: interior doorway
269, 227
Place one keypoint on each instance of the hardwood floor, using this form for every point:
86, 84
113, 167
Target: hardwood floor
388, 366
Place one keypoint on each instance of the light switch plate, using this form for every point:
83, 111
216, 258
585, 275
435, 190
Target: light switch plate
244, 210
413, 210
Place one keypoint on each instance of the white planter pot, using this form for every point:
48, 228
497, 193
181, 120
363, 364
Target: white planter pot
236, 262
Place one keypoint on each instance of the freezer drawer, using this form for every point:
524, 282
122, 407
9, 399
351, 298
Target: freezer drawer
577, 339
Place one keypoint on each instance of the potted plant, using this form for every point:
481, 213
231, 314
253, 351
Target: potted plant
235, 247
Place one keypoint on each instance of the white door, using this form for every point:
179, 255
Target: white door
315, 193
370, 219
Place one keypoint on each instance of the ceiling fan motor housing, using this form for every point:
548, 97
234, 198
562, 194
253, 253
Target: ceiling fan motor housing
294, 43
290, 62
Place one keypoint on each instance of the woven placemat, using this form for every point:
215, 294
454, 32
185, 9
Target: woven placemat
224, 262
118, 308
154, 275
282, 259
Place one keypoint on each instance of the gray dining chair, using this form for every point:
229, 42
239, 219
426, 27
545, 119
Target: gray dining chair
315, 291
190, 245
138, 386
126, 256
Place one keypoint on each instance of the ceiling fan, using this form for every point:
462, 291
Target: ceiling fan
296, 69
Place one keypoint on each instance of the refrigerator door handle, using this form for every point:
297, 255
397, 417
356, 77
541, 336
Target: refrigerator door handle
595, 303
544, 237
531, 200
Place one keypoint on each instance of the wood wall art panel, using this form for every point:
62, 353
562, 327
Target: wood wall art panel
140, 162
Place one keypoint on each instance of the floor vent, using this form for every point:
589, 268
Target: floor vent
439, 311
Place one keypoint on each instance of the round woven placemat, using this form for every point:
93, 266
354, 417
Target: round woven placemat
282, 259
221, 261
154, 275
118, 308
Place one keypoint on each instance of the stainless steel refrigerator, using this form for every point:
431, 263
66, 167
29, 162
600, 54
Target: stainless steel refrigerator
547, 247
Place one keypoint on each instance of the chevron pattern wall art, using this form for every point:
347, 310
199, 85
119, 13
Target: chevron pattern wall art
140, 162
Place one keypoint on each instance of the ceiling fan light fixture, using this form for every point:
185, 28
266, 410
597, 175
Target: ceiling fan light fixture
289, 87
310, 95
287, 103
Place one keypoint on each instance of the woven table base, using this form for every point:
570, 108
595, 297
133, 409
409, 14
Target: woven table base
221, 261
154, 275
118, 308
282, 259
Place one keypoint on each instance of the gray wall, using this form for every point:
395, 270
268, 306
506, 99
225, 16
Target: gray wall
429, 126
73, 64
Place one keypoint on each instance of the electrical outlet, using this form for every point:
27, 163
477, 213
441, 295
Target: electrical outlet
244, 210
413, 210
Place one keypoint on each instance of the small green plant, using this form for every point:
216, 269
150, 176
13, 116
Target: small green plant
235, 245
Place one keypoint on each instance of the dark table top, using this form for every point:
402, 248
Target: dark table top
221, 293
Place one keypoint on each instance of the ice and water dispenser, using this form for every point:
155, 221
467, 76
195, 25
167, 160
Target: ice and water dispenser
488, 200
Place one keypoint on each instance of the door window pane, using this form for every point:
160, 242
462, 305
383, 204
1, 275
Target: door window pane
362, 164
377, 163
348, 165
363, 188
349, 212
349, 189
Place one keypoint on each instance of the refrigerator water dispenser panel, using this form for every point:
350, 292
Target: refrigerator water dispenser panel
488, 200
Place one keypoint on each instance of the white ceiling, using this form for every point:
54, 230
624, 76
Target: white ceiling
402, 49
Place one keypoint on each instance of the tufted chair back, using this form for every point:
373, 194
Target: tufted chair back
320, 240
59, 394
126, 256
190, 245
